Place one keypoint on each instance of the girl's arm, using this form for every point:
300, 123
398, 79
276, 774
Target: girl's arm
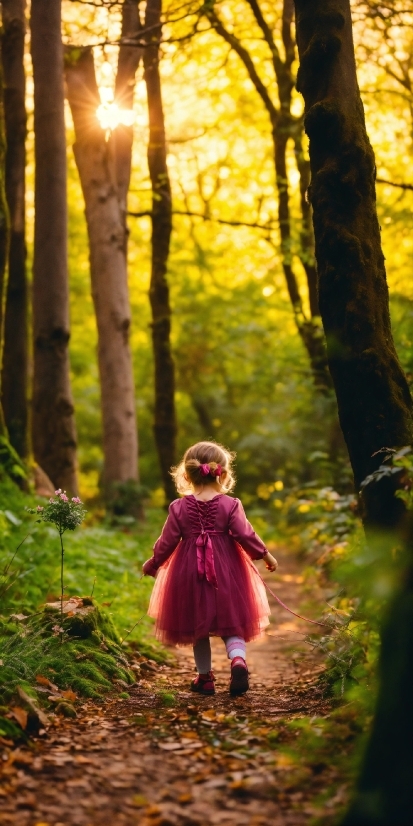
165, 545
244, 534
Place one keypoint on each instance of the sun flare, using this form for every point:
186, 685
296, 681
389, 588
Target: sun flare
110, 116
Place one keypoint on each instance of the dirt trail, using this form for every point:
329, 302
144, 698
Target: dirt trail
167, 757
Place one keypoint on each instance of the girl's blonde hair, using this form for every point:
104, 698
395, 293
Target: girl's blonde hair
188, 473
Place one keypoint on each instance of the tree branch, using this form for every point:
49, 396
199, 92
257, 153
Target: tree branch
268, 36
253, 224
408, 187
235, 44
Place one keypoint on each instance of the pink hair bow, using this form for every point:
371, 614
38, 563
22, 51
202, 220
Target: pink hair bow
206, 470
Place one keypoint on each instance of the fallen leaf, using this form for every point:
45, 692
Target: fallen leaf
41, 716
21, 758
69, 695
46, 682
21, 715
139, 800
170, 746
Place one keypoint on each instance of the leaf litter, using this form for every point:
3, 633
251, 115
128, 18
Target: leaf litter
167, 757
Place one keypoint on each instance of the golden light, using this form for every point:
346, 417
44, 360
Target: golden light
110, 115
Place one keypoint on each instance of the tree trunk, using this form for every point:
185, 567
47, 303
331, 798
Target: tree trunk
307, 256
54, 434
9, 460
310, 332
202, 405
15, 353
283, 127
4, 233
121, 139
165, 419
374, 402
375, 406
106, 230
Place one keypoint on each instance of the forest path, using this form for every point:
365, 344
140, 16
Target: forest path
168, 757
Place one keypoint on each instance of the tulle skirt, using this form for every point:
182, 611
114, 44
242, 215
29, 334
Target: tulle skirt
187, 608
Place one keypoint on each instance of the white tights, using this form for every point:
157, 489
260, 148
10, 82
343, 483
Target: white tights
202, 652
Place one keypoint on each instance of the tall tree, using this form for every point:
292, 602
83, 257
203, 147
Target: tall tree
15, 353
104, 171
161, 216
53, 424
285, 126
104, 165
4, 231
375, 407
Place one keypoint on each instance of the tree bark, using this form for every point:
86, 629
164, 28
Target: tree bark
375, 407
106, 230
54, 434
15, 351
121, 139
4, 232
165, 418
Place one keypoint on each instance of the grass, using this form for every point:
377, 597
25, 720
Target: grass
99, 559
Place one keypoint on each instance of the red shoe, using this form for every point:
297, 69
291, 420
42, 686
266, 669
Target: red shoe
204, 683
239, 676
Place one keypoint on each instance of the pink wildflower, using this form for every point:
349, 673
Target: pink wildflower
76, 500
39, 508
58, 492
63, 497
57, 630
51, 500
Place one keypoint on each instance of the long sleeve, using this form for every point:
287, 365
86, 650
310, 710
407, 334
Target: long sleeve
244, 533
165, 545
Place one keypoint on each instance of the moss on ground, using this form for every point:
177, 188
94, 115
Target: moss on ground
86, 657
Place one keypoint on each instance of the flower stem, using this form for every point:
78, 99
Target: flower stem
61, 579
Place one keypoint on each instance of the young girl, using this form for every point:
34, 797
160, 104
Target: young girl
205, 583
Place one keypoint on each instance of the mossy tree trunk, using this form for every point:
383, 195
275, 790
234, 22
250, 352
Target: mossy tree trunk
53, 423
15, 352
165, 418
375, 407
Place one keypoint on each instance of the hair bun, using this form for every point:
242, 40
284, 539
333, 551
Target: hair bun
203, 464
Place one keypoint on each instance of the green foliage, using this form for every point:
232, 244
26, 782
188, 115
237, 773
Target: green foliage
10, 730
10, 462
100, 558
166, 698
125, 500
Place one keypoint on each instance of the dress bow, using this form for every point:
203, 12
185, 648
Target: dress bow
205, 558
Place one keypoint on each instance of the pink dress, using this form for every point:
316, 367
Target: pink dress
205, 582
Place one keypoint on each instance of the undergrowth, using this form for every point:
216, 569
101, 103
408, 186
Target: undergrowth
100, 560
85, 654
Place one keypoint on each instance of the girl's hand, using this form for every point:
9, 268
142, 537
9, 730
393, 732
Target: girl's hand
147, 568
271, 563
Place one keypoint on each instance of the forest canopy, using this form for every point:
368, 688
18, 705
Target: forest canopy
228, 291
229, 294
